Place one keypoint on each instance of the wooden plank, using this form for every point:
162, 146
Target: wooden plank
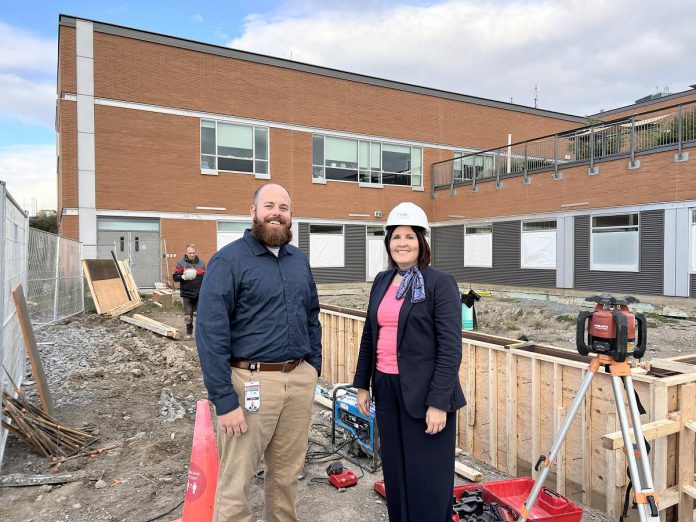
470, 397
111, 293
668, 498
651, 431
675, 366
685, 464
467, 472
586, 446
37, 369
511, 414
536, 413
129, 280
341, 350
493, 408
557, 422
326, 403
659, 409
613, 496
162, 329
119, 310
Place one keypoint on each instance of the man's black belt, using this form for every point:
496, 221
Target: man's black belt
254, 366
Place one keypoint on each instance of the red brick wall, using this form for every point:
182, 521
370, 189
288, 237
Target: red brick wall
68, 227
66, 60
67, 165
659, 179
127, 69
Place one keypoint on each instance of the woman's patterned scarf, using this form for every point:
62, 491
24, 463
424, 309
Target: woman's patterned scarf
412, 276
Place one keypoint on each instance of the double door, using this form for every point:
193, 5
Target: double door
142, 249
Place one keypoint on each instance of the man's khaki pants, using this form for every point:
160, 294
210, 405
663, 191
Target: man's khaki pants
277, 432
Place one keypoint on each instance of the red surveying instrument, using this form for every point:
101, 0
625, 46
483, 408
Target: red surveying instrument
614, 333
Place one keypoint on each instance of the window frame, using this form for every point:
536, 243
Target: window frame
254, 159
365, 166
478, 225
692, 241
522, 243
634, 268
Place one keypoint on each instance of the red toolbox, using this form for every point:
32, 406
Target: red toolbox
549, 505
511, 493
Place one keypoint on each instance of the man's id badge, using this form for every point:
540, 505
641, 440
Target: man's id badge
252, 396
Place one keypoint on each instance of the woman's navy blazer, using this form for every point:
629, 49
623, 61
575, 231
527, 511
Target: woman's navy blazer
428, 346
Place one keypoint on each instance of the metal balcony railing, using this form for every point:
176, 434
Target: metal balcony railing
672, 127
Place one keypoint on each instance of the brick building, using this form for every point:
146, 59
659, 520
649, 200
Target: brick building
162, 141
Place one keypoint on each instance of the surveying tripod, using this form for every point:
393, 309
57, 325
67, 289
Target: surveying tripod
644, 494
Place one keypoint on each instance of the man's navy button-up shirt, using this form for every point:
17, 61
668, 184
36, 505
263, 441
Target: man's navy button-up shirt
254, 306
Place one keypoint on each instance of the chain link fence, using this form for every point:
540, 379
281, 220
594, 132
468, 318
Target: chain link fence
14, 232
56, 285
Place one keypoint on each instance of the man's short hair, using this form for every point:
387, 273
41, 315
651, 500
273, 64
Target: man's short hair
190, 245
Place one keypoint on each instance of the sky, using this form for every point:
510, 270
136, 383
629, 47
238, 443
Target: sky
578, 56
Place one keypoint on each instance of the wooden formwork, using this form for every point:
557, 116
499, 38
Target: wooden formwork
517, 400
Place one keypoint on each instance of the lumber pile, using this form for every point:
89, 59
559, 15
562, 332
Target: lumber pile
41, 432
152, 325
163, 298
112, 286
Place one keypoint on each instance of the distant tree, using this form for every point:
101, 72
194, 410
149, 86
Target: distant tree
46, 223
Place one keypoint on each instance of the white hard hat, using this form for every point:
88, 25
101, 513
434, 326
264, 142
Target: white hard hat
408, 213
189, 274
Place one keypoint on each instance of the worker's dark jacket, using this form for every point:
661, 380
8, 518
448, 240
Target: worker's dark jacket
192, 287
428, 344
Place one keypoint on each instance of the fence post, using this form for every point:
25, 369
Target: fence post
680, 155
556, 173
82, 278
474, 188
593, 170
3, 347
57, 285
498, 183
633, 164
525, 180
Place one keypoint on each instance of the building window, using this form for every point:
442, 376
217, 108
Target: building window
326, 246
614, 243
234, 148
478, 246
361, 161
229, 231
538, 244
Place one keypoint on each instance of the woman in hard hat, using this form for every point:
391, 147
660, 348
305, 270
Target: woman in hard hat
410, 353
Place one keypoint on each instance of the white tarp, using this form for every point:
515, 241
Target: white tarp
326, 250
539, 249
478, 250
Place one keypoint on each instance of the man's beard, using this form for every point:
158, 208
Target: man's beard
271, 236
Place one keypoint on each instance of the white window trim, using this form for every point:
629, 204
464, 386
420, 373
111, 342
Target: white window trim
491, 252
216, 172
615, 268
555, 244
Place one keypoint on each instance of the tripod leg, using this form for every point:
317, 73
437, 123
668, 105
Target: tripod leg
645, 496
546, 460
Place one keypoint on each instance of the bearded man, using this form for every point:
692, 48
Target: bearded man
259, 343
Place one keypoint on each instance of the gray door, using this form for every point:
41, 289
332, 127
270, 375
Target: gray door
142, 249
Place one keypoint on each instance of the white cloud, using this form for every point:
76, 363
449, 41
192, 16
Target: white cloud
32, 102
21, 50
583, 56
198, 18
30, 173
27, 77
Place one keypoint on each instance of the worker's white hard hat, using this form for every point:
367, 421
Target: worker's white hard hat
408, 213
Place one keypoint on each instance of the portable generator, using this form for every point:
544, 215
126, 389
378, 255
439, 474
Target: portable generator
354, 435
611, 329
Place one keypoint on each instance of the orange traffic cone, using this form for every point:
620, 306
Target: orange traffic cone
203, 469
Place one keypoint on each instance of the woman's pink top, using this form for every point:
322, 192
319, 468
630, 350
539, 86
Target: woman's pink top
388, 322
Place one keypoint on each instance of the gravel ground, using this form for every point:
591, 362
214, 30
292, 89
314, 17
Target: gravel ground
139, 390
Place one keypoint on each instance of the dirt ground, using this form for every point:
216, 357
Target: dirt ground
139, 390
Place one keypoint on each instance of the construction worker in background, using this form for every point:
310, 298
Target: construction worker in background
259, 343
189, 273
